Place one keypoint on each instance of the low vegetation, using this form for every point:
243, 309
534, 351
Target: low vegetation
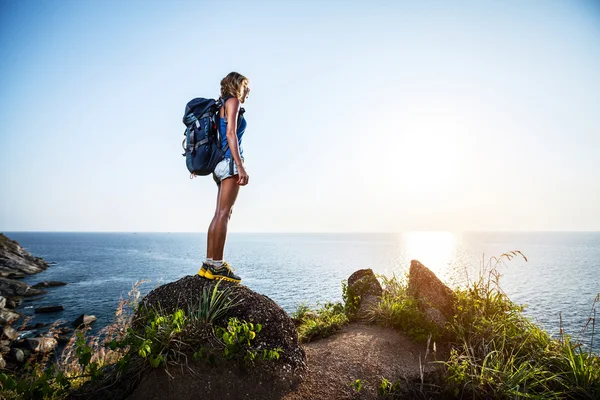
499, 353
130, 346
321, 322
494, 351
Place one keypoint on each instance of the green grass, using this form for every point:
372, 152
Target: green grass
495, 352
324, 321
498, 353
398, 309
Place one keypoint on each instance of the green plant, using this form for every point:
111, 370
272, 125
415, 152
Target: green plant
398, 309
351, 301
322, 322
237, 338
213, 305
357, 385
387, 388
301, 311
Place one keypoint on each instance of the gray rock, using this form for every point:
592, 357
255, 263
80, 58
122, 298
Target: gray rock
8, 317
17, 262
363, 282
41, 344
64, 330
431, 293
2, 362
4, 349
434, 315
366, 289
38, 325
33, 299
63, 339
9, 332
17, 355
46, 284
13, 302
11, 287
84, 320
48, 309
2, 302
366, 306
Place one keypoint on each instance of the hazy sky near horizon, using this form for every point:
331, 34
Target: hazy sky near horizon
363, 115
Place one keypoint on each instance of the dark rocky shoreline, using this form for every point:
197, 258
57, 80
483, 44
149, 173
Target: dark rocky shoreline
16, 263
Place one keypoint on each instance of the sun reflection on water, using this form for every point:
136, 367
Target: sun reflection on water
437, 250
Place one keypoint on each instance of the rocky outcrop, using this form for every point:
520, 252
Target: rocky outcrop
9, 332
435, 298
364, 291
49, 309
41, 344
47, 284
11, 287
84, 320
16, 262
8, 316
266, 380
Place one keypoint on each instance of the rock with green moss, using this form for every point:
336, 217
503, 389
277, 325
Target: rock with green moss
223, 377
363, 293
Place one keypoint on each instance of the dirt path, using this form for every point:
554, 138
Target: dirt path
359, 351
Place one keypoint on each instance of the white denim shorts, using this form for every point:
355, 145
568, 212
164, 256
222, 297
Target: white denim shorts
225, 169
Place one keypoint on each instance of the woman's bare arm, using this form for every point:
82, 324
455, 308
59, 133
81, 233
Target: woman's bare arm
232, 107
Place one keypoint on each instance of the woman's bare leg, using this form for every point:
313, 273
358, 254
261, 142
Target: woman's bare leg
210, 237
227, 195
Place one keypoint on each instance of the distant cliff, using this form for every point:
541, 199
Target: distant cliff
16, 262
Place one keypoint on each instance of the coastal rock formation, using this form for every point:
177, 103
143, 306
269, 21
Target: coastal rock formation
266, 380
84, 320
11, 287
364, 286
8, 316
41, 344
436, 299
16, 262
49, 309
46, 284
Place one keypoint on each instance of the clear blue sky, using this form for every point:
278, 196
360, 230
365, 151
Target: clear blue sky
363, 116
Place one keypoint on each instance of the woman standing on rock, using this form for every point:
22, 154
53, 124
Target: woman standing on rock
229, 175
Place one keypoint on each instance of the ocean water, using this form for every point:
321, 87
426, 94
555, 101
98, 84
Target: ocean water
560, 277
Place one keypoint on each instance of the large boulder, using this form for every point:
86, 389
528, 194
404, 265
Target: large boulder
435, 298
16, 262
84, 320
48, 309
9, 332
228, 380
363, 292
7, 316
11, 287
41, 344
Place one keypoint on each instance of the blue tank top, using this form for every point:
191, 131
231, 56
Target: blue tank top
240, 133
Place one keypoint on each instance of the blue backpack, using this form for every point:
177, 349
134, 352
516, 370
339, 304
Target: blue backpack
202, 142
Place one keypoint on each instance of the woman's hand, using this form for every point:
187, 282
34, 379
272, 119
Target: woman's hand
242, 176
